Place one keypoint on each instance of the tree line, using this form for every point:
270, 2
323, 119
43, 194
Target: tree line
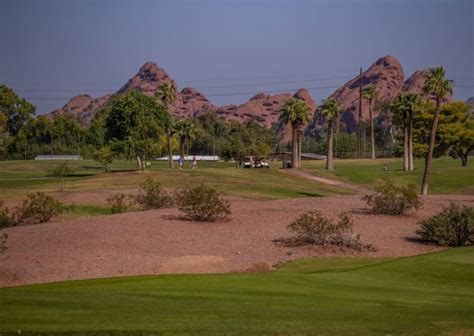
430, 125
140, 127
131, 126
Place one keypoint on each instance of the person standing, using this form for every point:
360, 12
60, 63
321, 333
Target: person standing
181, 162
195, 163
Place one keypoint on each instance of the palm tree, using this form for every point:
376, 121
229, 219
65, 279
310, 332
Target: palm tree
438, 87
296, 113
331, 109
370, 94
185, 131
406, 105
166, 93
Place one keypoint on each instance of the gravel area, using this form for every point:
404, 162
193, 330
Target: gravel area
159, 241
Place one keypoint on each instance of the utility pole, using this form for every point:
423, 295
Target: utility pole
78, 143
51, 142
359, 125
214, 143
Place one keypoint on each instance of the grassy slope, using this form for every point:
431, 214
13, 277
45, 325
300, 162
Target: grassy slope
19, 177
423, 295
447, 176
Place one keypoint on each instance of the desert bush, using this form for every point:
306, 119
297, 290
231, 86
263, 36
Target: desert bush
60, 172
120, 203
3, 242
313, 228
453, 226
152, 196
395, 200
6, 219
38, 208
202, 203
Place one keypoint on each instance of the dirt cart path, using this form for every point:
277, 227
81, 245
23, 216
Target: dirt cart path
344, 185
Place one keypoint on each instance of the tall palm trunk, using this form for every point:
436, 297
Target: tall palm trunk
294, 145
329, 159
182, 141
372, 132
405, 145
170, 147
300, 145
410, 142
429, 156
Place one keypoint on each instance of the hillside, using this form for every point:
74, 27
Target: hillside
386, 74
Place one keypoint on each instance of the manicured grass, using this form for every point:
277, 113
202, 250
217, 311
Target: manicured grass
18, 178
423, 295
82, 210
447, 175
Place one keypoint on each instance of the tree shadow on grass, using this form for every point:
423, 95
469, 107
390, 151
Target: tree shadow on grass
309, 194
80, 175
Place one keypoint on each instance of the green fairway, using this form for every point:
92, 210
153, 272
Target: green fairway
447, 175
20, 177
423, 295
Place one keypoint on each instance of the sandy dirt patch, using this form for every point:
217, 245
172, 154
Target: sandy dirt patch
157, 241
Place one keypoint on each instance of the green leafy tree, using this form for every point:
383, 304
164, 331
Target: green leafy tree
4, 137
296, 113
439, 87
132, 123
331, 109
370, 94
210, 133
166, 93
463, 141
66, 134
32, 139
17, 110
455, 133
104, 156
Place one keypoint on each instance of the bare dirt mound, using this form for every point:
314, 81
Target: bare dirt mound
157, 241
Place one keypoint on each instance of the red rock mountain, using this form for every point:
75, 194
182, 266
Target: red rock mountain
189, 102
415, 83
386, 74
84, 107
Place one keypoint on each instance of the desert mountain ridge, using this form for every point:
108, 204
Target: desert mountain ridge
386, 74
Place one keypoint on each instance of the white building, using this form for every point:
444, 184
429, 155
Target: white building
191, 157
58, 157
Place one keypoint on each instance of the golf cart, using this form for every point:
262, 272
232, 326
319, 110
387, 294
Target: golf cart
255, 162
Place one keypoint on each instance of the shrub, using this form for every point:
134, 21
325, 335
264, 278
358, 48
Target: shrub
202, 203
3, 242
119, 203
60, 172
313, 228
38, 208
104, 156
6, 219
453, 226
395, 200
152, 196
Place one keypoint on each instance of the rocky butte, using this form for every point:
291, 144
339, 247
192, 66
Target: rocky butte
386, 74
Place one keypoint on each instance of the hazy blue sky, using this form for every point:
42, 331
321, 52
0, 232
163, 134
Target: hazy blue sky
70, 46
